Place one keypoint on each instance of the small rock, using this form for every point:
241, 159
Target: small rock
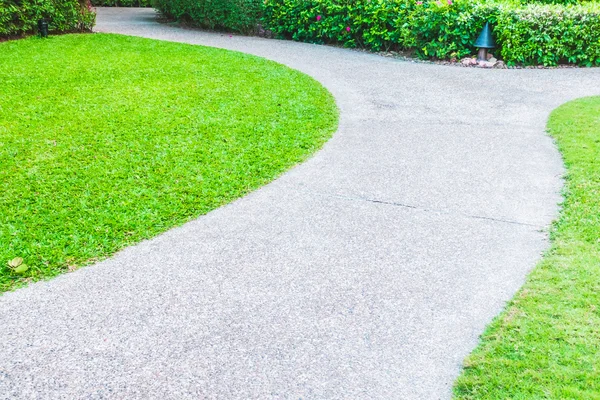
492, 60
486, 64
466, 62
500, 65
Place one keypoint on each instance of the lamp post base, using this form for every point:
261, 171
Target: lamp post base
482, 55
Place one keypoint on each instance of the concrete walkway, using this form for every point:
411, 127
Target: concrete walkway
366, 273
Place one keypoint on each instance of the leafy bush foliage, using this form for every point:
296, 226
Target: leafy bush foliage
551, 34
235, 15
20, 17
526, 33
554, 1
122, 3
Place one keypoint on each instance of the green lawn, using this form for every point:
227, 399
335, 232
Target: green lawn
106, 140
546, 344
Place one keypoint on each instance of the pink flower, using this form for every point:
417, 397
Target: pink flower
439, 3
449, 2
419, 3
348, 28
318, 17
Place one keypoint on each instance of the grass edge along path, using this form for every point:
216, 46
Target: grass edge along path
107, 140
546, 343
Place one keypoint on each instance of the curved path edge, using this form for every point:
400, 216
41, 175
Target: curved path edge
367, 272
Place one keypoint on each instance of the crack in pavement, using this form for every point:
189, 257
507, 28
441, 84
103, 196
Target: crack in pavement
420, 208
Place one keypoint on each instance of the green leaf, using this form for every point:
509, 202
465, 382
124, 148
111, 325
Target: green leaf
15, 262
21, 269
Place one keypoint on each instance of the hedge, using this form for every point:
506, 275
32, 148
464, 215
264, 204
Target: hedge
20, 17
572, 2
233, 15
526, 33
550, 35
122, 3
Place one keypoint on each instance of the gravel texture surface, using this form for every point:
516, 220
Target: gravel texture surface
368, 272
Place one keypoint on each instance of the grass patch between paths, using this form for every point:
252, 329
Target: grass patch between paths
106, 140
546, 344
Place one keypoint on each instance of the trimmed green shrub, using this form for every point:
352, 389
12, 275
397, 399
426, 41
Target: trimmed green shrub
443, 29
20, 17
550, 34
122, 3
447, 29
564, 2
233, 15
434, 29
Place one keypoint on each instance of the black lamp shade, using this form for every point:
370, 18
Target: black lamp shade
485, 39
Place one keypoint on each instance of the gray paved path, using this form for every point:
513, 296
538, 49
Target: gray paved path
366, 273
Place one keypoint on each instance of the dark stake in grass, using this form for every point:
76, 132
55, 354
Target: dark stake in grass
106, 140
546, 344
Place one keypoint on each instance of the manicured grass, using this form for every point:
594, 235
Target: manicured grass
546, 344
106, 140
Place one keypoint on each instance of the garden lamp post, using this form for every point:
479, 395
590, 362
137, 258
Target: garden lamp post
43, 27
484, 42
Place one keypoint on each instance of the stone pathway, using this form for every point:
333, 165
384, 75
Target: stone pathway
367, 272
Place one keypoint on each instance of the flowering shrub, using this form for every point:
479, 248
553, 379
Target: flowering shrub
433, 29
525, 33
235, 15
20, 17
